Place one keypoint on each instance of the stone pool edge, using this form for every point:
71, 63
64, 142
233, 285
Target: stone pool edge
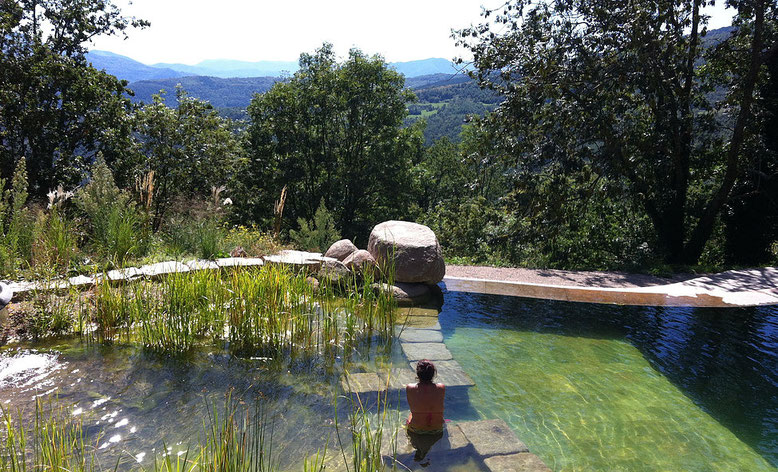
728, 289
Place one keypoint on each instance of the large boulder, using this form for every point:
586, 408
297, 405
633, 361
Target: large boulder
412, 248
340, 250
406, 294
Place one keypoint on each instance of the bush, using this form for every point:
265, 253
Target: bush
16, 223
186, 234
55, 244
317, 235
117, 228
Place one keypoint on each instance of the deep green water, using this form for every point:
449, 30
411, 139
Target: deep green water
597, 387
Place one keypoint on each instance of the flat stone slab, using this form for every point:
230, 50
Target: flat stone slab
420, 322
81, 281
299, 258
492, 437
450, 374
521, 462
163, 268
415, 335
362, 383
117, 275
227, 262
202, 264
431, 351
399, 378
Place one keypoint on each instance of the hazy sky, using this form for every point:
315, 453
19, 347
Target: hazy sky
189, 31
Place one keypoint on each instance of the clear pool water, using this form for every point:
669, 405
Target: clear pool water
587, 387
599, 387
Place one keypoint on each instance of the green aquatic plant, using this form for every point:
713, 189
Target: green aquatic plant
370, 432
56, 442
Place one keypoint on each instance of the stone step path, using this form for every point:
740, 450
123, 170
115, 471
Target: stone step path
486, 445
298, 259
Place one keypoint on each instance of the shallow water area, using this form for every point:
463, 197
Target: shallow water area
598, 387
136, 405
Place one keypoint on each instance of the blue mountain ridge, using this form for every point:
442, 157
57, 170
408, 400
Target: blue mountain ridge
129, 69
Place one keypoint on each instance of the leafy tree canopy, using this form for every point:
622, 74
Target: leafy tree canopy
333, 133
617, 96
55, 109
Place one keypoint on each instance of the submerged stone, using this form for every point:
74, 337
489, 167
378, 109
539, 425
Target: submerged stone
362, 383
491, 437
521, 462
450, 373
431, 351
415, 335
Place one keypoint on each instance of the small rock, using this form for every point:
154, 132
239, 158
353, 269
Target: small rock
361, 262
313, 282
334, 272
239, 252
340, 250
6, 294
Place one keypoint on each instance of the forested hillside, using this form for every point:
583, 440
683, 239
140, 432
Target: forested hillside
630, 140
221, 93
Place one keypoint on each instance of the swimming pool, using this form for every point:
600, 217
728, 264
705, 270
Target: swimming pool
602, 387
586, 386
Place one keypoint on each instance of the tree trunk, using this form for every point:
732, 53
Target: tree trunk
704, 228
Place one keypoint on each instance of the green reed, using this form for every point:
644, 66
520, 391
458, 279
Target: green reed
54, 443
369, 434
269, 311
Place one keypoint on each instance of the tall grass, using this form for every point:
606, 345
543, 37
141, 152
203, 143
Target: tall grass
55, 443
238, 440
363, 453
270, 311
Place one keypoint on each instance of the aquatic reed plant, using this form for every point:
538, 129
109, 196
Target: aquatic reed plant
240, 440
363, 453
271, 311
55, 442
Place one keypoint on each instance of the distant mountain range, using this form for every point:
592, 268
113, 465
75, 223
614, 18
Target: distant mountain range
129, 69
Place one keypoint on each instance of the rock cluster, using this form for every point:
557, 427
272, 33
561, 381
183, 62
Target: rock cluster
410, 250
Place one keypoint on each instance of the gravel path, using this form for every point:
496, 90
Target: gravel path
564, 277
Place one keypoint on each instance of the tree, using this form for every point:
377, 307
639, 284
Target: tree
189, 150
621, 91
55, 109
333, 131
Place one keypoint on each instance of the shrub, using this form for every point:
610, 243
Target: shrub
16, 224
117, 227
317, 235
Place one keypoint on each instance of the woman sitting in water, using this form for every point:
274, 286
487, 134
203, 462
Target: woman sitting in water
425, 399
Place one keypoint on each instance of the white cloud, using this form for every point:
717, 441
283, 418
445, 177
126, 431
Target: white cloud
189, 31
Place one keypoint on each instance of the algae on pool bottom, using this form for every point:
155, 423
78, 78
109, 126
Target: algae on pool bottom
593, 404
